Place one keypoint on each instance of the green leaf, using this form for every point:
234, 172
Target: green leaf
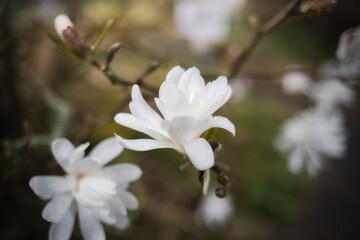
63, 46
102, 35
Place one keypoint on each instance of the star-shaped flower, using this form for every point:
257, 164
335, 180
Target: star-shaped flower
97, 193
187, 106
311, 137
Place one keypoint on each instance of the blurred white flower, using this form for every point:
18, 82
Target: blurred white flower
348, 52
240, 87
96, 192
187, 105
311, 136
61, 23
331, 93
295, 82
214, 211
204, 22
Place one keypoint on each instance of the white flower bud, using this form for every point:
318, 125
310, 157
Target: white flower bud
62, 22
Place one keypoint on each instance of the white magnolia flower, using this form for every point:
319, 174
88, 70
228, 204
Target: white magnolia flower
62, 22
204, 22
96, 192
310, 137
296, 82
348, 53
214, 211
240, 87
187, 105
331, 93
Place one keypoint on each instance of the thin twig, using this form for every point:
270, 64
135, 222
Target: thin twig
85, 134
116, 80
282, 15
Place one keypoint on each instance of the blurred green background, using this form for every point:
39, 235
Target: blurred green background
37, 77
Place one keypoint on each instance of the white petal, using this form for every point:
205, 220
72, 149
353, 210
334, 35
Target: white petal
314, 157
312, 169
48, 186
118, 206
78, 153
196, 84
177, 106
141, 144
105, 214
62, 149
62, 22
130, 121
87, 165
200, 153
219, 101
146, 111
88, 197
90, 225
101, 185
128, 199
182, 129
166, 91
106, 150
221, 122
55, 210
122, 172
215, 95
174, 75
185, 78
314, 164
122, 221
295, 161
63, 229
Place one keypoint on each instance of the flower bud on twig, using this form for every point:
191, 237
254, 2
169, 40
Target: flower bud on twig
67, 33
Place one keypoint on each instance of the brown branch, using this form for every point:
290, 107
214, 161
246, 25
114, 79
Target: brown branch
87, 131
116, 80
280, 17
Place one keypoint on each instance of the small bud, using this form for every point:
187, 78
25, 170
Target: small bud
112, 52
75, 42
317, 7
67, 32
62, 22
224, 180
220, 192
254, 22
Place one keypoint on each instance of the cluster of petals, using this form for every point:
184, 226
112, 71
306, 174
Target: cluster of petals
214, 211
296, 82
187, 105
97, 193
310, 137
204, 22
331, 93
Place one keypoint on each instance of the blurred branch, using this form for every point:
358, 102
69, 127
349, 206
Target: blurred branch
274, 75
117, 80
85, 134
280, 17
58, 123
